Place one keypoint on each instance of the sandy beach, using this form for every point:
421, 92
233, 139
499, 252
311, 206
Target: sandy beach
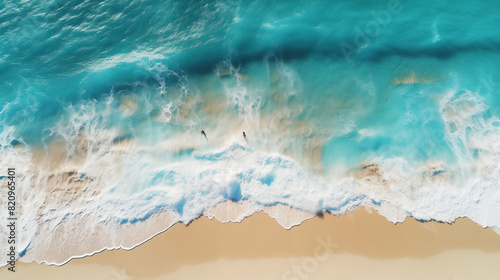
358, 245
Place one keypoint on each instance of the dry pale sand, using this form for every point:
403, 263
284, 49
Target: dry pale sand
362, 246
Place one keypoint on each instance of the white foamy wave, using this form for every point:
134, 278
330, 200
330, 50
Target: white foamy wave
87, 208
93, 192
183, 190
444, 191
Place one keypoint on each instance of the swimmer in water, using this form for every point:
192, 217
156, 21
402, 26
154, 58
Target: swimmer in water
203, 132
244, 135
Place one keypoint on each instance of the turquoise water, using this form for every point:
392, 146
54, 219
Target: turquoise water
120, 90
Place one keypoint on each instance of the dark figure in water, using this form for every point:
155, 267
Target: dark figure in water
244, 135
203, 133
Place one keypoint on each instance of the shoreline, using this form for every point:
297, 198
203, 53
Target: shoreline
259, 240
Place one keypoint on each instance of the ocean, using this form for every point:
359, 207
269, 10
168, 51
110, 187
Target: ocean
389, 105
